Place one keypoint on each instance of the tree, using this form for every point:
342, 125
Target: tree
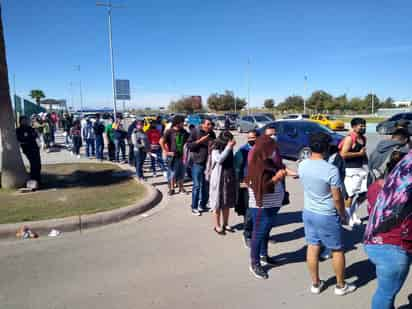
13, 172
320, 100
269, 103
291, 103
225, 102
368, 102
37, 95
186, 104
388, 103
341, 102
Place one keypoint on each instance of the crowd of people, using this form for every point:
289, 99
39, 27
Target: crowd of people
336, 180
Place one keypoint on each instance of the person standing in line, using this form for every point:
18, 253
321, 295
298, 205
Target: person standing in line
99, 128
388, 234
198, 145
130, 131
323, 214
172, 144
353, 151
119, 135
109, 138
27, 136
222, 181
67, 123
45, 124
242, 200
76, 135
265, 178
141, 148
154, 135
89, 137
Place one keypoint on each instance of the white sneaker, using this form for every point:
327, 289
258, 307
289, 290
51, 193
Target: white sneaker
347, 289
317, 289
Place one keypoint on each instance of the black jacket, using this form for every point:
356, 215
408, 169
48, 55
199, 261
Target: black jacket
199, 152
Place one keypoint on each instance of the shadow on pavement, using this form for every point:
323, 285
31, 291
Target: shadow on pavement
364, 271
285, 218
289, 236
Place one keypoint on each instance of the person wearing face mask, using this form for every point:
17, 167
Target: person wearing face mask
241, 167
264, 180
141, 148
353, 151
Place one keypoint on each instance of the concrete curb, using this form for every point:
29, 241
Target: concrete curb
152, 197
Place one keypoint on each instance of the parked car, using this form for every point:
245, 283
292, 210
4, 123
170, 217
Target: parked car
388, 126
268, 115
220, 122
293, 137
296, 117
329, 121
234, 119
252, 122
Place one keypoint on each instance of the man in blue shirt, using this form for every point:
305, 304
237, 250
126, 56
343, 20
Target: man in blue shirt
323, 213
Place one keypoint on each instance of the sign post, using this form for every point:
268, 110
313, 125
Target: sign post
123, 91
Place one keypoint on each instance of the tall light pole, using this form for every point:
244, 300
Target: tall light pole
305, 86
78, 68
373, 103
248, 86
109, 7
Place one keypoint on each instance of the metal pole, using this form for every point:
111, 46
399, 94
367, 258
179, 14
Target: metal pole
248, 86
304, 95
81, 96
373, 104
109, 10
14, 99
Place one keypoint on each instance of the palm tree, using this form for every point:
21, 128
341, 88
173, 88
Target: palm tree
13, 172
37, 95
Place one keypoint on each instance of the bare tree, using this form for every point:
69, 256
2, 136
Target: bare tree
13, 172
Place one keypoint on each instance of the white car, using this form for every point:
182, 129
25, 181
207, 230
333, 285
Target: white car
252, 122
296, 117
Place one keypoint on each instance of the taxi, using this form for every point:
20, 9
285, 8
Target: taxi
329, 121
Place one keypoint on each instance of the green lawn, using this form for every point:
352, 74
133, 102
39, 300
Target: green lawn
368, 120
71, 190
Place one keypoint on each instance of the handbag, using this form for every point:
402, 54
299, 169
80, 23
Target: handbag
286, 199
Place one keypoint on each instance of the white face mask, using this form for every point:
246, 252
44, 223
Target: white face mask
274, 137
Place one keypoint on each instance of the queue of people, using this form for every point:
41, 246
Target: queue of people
336, 179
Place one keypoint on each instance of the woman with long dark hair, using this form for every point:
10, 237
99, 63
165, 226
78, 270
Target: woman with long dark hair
266, 173
222, 181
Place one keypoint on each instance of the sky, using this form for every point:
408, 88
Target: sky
170, 49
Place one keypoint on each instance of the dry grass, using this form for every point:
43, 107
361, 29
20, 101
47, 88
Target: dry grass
70, 190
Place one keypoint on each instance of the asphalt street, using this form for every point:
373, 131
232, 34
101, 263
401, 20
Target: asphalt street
166, 258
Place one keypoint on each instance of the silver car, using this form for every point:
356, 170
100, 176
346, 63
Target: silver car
252, 122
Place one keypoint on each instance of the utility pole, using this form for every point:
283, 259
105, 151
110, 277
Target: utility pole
78, 68
305, 86
109, 7
248, 86
14, 99
373, 104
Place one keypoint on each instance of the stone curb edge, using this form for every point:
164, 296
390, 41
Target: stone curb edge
42, 228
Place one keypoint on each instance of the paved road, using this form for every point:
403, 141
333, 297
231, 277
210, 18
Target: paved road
168, 259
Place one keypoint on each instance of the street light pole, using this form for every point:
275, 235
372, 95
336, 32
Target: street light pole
109, 7
248, 86
373, 104
304, 95
78, 68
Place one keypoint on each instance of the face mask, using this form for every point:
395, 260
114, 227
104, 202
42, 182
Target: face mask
274, 137
251, 143
362, 131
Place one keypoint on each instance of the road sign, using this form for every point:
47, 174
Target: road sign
122, 89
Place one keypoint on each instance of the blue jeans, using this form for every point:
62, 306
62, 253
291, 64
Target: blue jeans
99, 147
119, 145
392, 267
159, 160
140, 156
90, 150
263, 219
200, 192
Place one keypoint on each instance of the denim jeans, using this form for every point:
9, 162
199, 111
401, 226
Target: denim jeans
392, 267
158, 158
248, 224
139, 156
263, 219
200, 191
90, 147
119, 145
99, 147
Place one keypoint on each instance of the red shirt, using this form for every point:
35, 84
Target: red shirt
400, 235
154, 136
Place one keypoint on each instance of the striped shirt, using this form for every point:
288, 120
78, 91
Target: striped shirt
270, 200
